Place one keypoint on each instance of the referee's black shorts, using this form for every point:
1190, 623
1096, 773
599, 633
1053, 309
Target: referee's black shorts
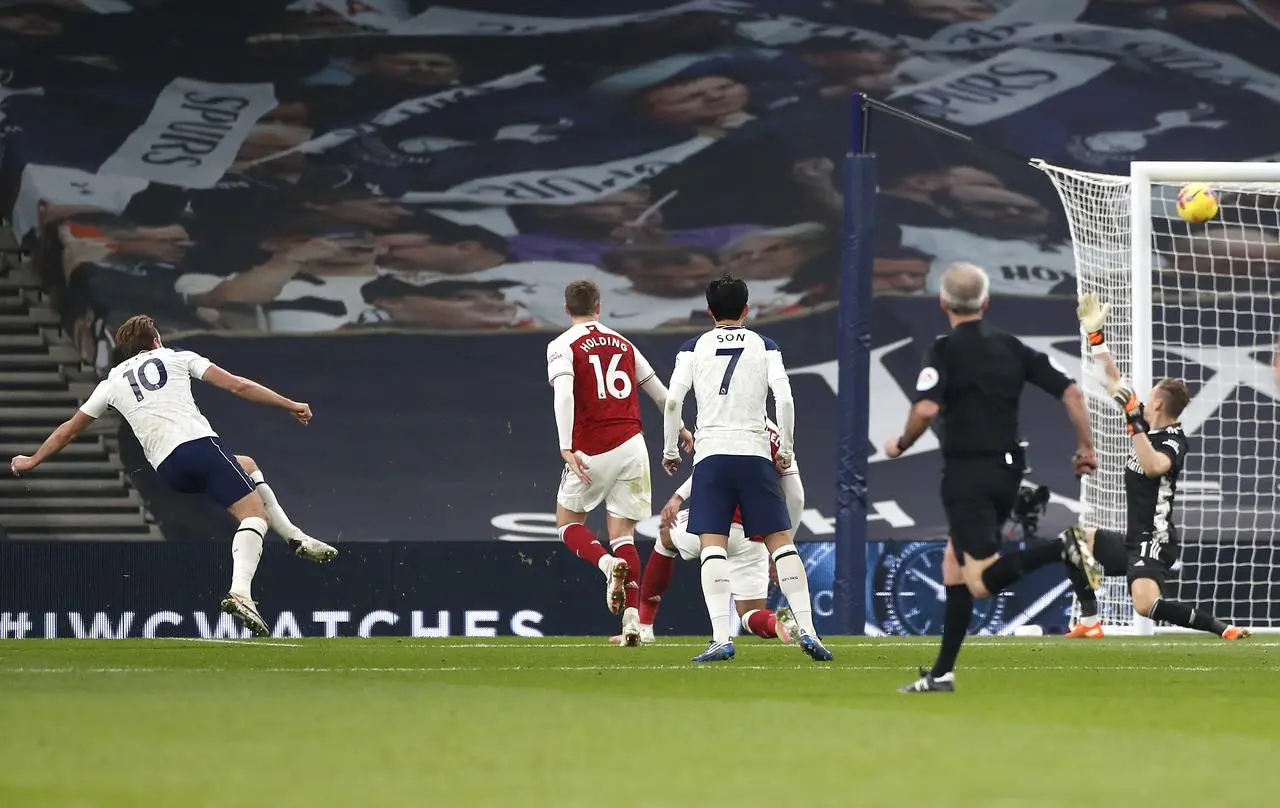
978, 495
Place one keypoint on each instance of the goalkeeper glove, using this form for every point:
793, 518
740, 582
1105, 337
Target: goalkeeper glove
1134, 412
1093, 317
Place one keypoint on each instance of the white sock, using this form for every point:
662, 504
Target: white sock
716, 590
1089, 620
279, 519
794, 585
246, 550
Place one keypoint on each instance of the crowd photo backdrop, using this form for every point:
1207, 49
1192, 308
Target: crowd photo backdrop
375, 205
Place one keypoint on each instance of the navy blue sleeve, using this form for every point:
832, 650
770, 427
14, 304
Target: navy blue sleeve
689, 346
769, 345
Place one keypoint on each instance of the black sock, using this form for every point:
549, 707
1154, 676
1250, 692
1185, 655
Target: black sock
1010, 568
954, 628
1182, 614
1086, 597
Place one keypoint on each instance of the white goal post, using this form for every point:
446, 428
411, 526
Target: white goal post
1199, 302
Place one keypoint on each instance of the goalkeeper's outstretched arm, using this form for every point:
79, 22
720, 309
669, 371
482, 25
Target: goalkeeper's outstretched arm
1093, 318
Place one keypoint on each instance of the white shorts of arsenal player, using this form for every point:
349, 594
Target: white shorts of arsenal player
619, 479
748, 560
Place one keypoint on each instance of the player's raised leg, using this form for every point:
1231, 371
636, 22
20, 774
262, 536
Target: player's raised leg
977, 501
575, 535
303, 546
584, 485
1148, 569
1107, 547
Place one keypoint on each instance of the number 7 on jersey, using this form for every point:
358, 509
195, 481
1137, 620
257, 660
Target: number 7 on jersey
734, 355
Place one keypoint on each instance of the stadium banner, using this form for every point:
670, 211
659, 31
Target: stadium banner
186, 133
559, 18
905, 595
494, 144
354, 140
444, 589
1079, 109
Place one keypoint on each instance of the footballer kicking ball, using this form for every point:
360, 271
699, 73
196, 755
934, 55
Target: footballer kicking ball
1197, 203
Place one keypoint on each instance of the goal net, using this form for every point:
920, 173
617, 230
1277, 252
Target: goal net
1197, 302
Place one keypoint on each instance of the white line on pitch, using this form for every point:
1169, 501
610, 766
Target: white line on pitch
895, 644
219, 641
601, 668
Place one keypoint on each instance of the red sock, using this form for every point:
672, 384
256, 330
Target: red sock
583, 543
657, 577
762, 623
625, 548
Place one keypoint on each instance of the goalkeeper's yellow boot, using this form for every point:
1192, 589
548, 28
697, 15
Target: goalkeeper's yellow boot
1236, 633
1081, 631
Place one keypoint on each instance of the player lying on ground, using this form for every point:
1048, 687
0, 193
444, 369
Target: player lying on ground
151, 389
1148, 549
731, 371
748, 561
973, 379
595, 372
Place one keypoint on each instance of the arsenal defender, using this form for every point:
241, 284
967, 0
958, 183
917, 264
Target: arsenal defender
595, 373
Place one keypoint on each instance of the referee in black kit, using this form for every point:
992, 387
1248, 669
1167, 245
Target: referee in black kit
973, 378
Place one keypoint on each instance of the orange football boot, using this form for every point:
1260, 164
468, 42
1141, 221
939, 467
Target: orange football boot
1236, 633
1083, 632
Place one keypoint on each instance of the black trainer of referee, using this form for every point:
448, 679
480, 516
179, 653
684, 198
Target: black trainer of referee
973, 378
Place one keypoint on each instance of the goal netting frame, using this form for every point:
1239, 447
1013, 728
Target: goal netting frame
1180, 292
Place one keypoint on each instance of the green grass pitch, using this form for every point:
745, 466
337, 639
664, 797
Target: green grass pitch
544, 722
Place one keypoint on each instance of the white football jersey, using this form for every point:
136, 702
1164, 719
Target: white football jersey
730, 370
153, 392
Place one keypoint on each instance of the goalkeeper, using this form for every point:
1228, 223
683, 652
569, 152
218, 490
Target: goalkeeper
1148, 549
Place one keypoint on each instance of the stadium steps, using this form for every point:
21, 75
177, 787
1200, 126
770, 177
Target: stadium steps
18, 416
82, 494
77, 449
70, 505
19, 279
30, 484
79, 527
152, 533
32, 380
80, 469
65, 399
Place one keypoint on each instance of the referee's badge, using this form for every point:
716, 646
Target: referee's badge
927, 380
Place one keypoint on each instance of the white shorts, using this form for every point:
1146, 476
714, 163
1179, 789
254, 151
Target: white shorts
748, 560
619, 479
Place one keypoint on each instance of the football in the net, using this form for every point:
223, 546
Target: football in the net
1197, 203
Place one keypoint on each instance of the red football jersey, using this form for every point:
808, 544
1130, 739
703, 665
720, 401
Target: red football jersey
607, 373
